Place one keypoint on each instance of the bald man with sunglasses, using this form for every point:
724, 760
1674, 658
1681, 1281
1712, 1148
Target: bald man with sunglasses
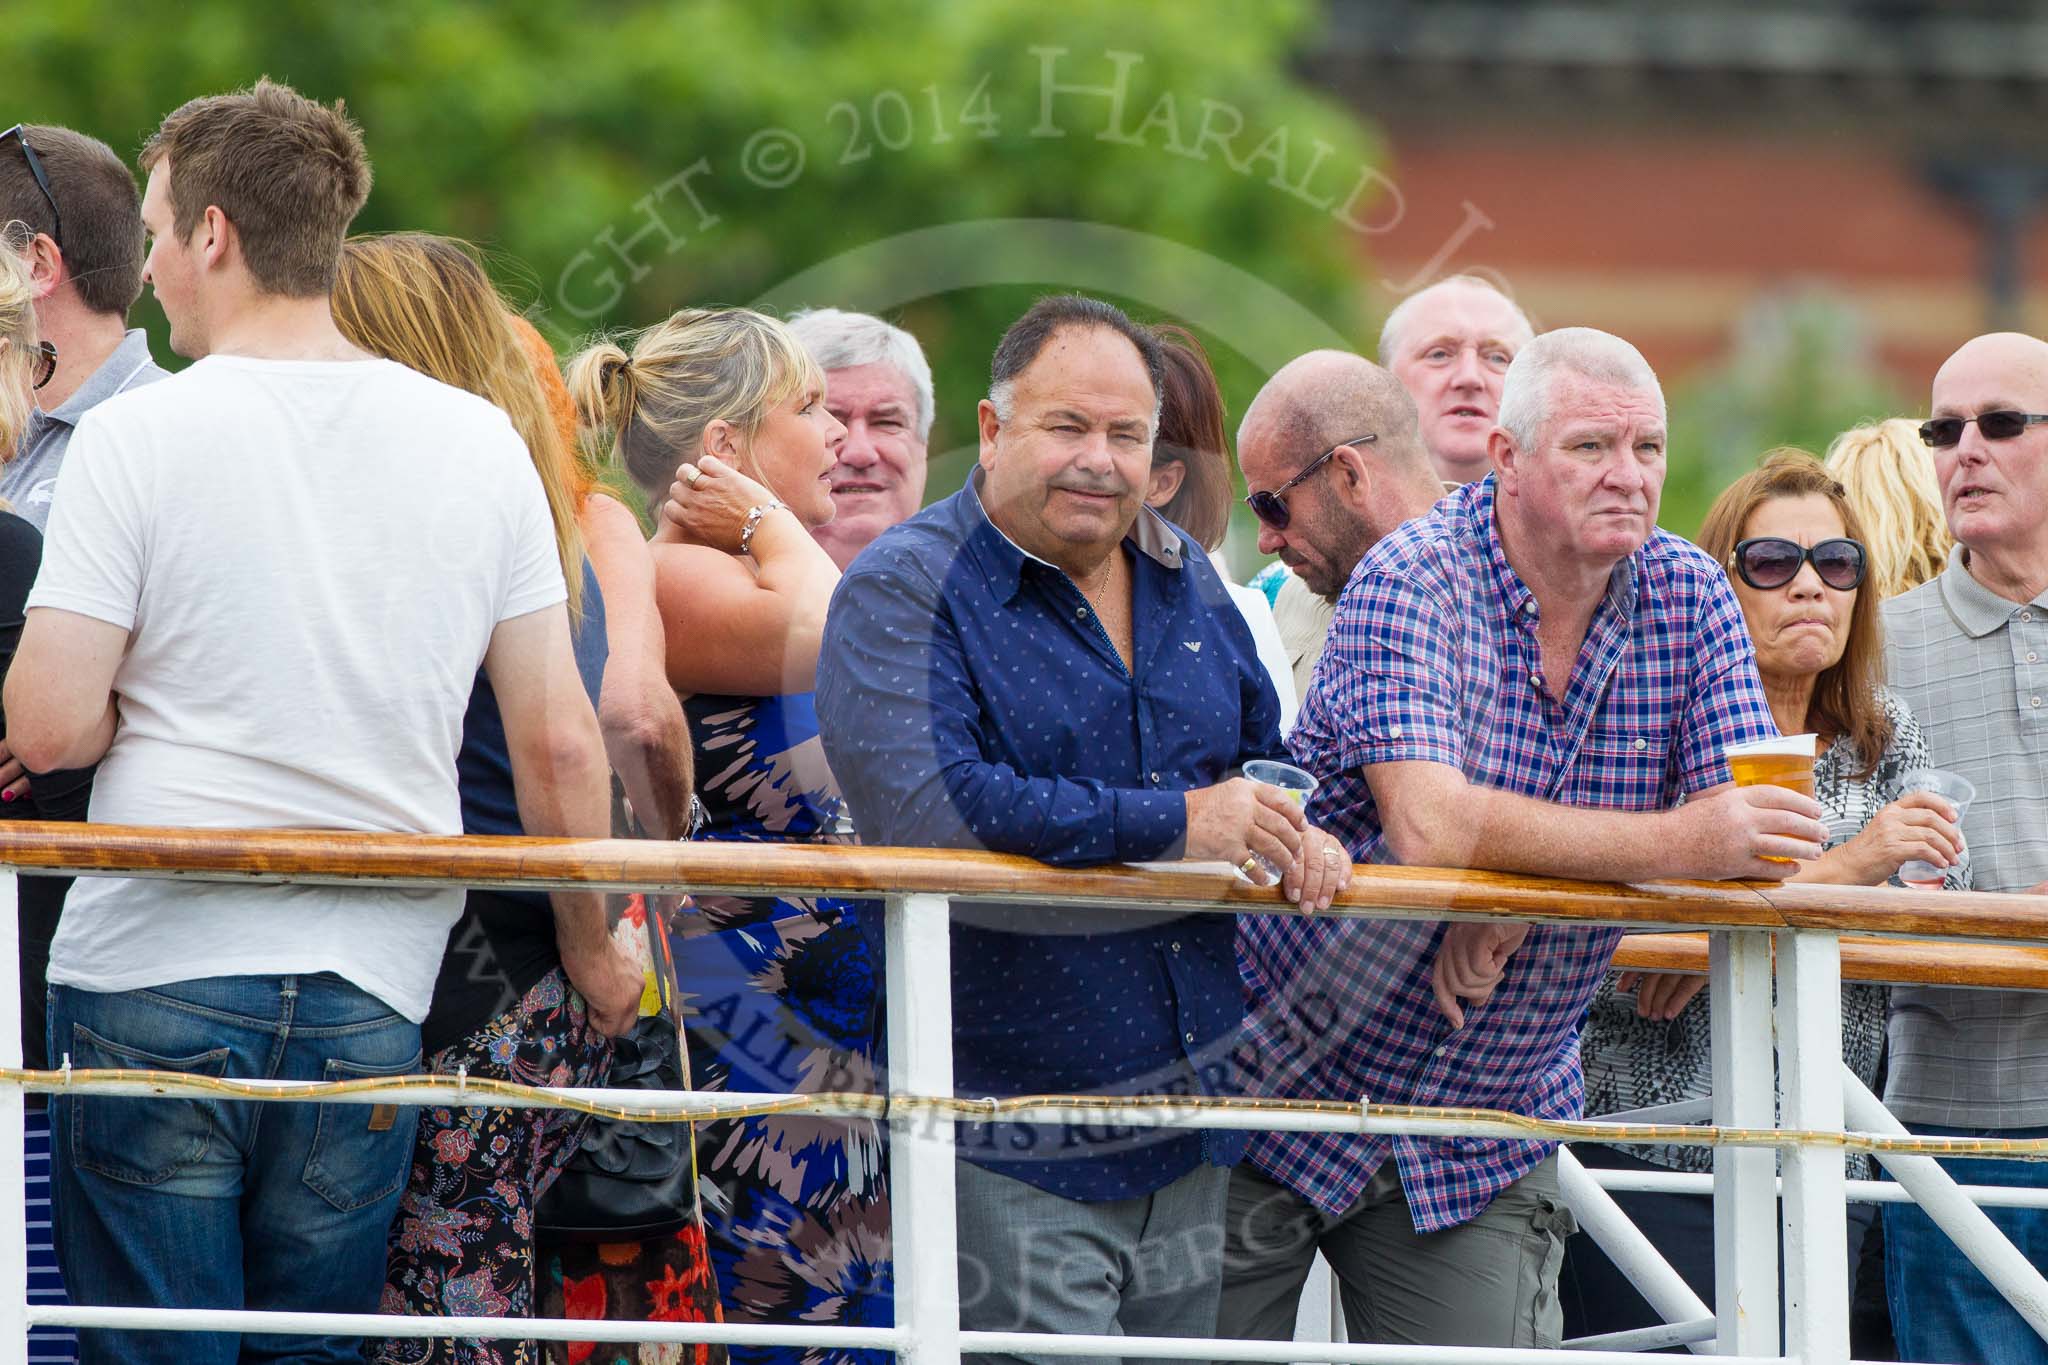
1967, 651
1333, 457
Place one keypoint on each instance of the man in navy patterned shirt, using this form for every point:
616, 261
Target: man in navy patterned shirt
1526, 680
1041, 665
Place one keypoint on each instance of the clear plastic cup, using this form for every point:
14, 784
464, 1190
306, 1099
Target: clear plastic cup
1953, 788
1296, 782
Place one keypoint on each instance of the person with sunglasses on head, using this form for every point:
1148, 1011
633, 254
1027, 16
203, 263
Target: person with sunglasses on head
1531, 678
1794, 551
83, 250
79, 237
1333, 457
1967, 650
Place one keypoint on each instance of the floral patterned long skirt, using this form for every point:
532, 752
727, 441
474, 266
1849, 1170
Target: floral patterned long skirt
463, 1241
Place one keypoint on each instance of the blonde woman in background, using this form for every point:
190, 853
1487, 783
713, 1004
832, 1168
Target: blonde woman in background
528, 992
719, 415
1888, 473
25, 363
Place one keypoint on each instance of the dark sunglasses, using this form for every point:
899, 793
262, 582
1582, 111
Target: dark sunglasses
46, 364
1269, 508
1772, 561
1943, 432
35, 168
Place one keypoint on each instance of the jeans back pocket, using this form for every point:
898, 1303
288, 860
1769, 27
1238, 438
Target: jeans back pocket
360, 1154
135, 1140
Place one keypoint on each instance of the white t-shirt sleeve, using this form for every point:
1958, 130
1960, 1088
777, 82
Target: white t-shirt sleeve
93, 545
535, 580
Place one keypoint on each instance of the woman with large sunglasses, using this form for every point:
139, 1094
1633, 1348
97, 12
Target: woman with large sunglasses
1796, 559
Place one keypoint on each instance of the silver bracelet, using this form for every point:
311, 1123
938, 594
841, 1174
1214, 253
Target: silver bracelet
753, 524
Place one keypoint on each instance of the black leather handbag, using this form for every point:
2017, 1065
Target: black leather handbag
629, 1180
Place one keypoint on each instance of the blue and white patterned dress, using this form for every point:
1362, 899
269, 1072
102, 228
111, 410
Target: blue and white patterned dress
780, 996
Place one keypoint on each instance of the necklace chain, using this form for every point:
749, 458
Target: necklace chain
1093, 592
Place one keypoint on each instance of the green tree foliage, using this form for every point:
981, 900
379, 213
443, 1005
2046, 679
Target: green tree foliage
926, 159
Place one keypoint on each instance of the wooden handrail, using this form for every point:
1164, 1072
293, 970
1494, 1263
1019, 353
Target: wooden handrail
327, 856
1892, 961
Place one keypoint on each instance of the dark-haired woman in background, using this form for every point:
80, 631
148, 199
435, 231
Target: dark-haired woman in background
1191, 488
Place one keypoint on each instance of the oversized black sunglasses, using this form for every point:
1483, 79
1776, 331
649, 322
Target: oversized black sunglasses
1943, 432
1269, 506
35, 168
1772, 561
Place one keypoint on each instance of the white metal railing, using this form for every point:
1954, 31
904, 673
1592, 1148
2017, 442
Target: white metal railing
1794, 937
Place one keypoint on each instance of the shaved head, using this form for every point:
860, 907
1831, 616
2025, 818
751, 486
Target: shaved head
1996, 491
1315, 402
1319, 399
2015, 356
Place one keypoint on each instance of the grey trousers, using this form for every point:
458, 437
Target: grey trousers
1036, 1262
1488, 1282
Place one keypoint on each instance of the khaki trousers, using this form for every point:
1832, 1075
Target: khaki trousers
1491, 1281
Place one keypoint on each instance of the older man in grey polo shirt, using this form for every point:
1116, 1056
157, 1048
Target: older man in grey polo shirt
1970, 652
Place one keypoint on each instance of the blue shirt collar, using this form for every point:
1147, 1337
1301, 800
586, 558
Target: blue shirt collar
1002, 560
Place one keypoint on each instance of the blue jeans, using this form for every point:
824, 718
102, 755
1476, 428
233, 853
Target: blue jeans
1943, 1309
204, 1203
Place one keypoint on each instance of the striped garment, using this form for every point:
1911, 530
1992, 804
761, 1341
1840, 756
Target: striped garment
1433, 657
46, 1345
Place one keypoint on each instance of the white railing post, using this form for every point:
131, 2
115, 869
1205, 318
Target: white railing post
1745, 1178
1816, 1208
923, 1227
1602, 1219
13, 1136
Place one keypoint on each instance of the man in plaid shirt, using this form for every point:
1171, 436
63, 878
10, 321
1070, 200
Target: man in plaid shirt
1528, 679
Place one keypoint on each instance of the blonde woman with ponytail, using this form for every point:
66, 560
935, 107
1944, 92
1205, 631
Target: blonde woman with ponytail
719, 416
1888, 473
723, 412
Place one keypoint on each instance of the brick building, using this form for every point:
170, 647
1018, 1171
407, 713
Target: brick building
1659, 168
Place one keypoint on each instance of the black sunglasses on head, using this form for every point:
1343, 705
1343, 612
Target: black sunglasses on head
35, 168
1269, 508
1943, 432
1766, 562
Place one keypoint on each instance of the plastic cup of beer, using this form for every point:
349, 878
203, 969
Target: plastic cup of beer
1296, 782
1953, 788
1786, 761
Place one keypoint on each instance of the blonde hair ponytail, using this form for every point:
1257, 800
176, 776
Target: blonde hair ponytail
1888, 473
700, 366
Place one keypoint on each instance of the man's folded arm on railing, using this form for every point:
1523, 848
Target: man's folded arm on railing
904, 689
562, 782
60, 690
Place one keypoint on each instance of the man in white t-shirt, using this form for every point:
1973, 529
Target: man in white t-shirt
268, 584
